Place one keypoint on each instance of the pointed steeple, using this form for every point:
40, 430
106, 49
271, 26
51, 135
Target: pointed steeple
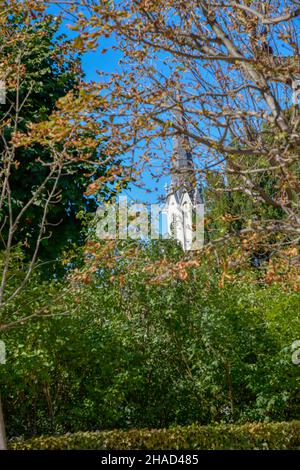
182, 168
184, 196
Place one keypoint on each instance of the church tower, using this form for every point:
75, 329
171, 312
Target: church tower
184, 198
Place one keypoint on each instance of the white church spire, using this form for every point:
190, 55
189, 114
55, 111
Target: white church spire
183, 195
182, 168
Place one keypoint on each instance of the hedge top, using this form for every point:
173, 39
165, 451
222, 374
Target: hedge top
252, 436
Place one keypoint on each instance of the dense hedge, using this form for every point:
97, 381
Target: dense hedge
154, 356
255, 436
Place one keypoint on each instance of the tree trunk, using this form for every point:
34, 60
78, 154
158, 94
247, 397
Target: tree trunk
2, 429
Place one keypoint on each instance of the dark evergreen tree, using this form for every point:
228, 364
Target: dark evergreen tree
52, 69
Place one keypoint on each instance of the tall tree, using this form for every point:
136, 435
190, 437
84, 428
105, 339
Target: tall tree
237, 65
50, 152
48, 69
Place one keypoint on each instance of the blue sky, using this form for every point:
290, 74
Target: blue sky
108, 62
92, 63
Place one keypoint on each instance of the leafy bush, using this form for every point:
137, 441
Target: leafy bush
137, 354
272, 436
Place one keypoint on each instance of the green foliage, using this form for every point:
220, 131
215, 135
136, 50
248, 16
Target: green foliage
230, 211
51, 69
142, 354
128, 348
272, 436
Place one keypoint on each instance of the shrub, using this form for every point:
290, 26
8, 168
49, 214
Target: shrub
253, 436
144, 355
